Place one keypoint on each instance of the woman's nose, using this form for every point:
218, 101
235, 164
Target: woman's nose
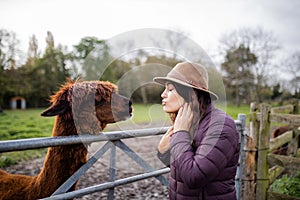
163, 94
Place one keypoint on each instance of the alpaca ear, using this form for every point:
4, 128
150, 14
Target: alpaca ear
56, 109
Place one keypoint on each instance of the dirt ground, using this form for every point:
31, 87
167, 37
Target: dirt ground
145, 147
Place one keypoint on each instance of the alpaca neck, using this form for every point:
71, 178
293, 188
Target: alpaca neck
61, 161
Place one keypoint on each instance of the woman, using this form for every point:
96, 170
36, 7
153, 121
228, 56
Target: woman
202, 146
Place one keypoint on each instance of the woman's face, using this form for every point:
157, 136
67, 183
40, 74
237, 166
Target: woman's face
171, 101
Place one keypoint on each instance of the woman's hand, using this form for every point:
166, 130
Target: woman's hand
164, 144
184, 118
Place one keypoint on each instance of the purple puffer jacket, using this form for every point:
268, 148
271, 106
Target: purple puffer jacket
205, 169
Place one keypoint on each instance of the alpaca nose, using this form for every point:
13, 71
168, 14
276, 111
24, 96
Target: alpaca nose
130, 103
130, 107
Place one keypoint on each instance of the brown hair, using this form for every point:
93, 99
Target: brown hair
200, 101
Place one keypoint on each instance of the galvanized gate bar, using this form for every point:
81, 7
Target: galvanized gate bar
108, 185
112, 145
139, 160
68, 184
25, 144
112, 169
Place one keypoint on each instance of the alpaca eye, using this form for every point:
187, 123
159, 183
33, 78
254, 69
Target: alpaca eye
97, 103
101, 102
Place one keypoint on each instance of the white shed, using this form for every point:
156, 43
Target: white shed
18, 103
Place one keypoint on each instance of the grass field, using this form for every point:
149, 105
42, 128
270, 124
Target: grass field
16, 124
19, 124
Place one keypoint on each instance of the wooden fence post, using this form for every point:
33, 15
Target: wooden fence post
262, 172
293, 147
254, 122
296, 106
248, 192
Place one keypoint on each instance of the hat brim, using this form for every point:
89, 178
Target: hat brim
164, 80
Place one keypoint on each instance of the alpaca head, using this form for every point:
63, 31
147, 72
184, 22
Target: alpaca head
90, 104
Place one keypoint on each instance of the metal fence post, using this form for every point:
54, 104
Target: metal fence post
112, 169
241, 124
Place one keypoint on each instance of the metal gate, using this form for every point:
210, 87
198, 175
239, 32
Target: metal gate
113, 140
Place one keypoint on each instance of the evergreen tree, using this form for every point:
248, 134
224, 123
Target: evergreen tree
237, 67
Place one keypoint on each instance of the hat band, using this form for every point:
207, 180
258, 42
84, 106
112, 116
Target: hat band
190, 82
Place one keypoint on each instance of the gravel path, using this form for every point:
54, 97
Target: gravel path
145, 189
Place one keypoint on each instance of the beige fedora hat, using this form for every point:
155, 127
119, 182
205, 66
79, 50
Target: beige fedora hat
188, 74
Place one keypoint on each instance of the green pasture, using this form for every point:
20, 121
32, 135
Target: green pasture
20, 124
234, 110
17, 124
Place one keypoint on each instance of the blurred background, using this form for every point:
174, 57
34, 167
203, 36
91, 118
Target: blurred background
254, 45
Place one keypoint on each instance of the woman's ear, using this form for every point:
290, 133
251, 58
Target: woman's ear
56, 108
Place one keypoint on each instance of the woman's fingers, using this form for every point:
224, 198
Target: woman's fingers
189, 111
164, 144
170, 131
186, 111
184, 118
180, 111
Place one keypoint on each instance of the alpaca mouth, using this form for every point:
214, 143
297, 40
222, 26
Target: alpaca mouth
126, 114
121, 108
130, 109
130, 113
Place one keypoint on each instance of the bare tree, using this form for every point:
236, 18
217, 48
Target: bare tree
50, 39
4, 37
292, 68
10, 54
33, 47
259, 41
32, 50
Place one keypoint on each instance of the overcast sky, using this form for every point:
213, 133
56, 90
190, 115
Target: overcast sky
204, 21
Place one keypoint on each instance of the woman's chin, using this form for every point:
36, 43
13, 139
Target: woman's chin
166, 110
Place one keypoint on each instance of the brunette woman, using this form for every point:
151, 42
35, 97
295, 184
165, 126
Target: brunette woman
202, 145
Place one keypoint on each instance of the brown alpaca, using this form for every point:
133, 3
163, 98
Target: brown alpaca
80, 107
277, 132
